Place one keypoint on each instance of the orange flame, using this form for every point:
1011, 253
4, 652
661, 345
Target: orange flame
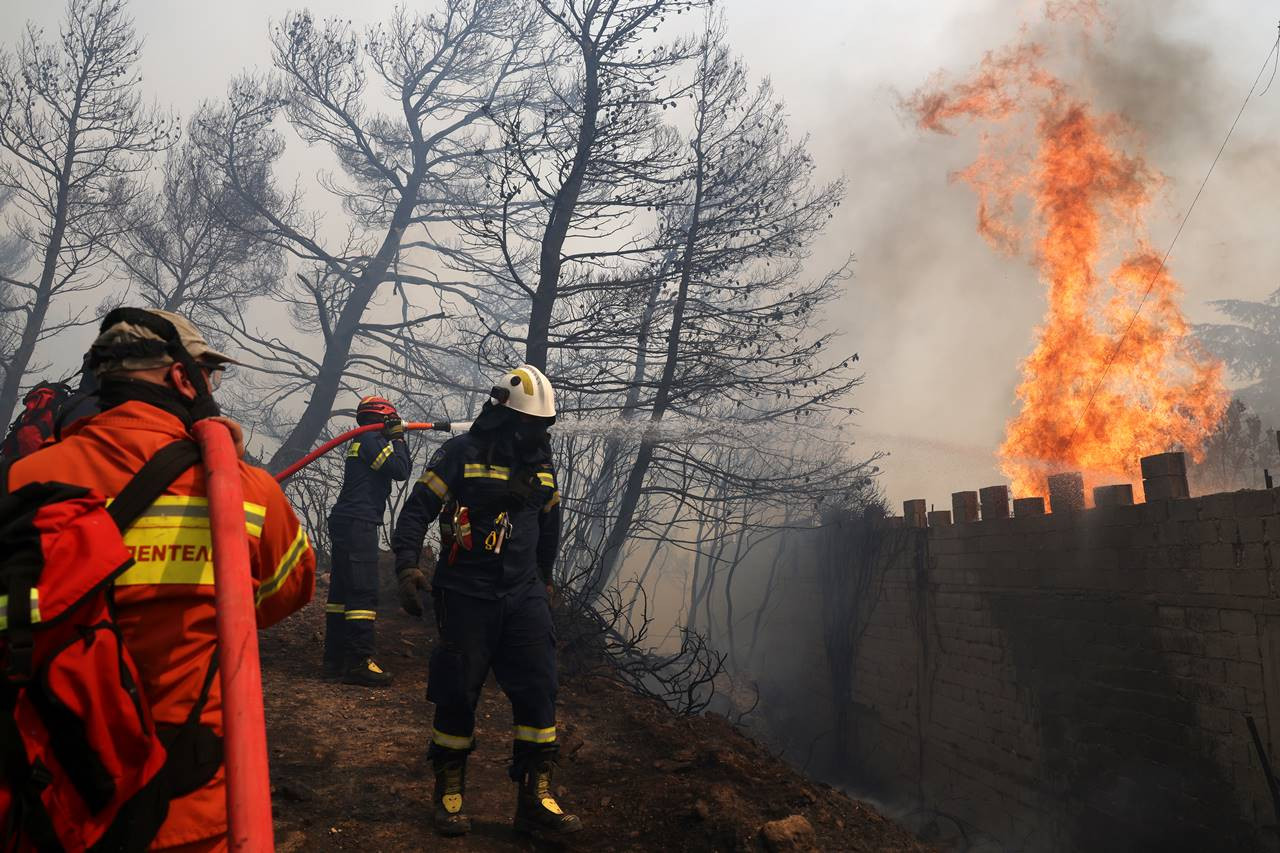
1106, 383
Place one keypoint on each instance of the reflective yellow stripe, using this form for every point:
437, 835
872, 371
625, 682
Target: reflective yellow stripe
491, 472
4, 609
382, 457
183, 511
437, 486
361, 614
354, 452
288, 562
531, 735
450, 741
546, 479
553, 503
334, 608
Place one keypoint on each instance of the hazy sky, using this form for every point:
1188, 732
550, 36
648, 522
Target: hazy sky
940, 321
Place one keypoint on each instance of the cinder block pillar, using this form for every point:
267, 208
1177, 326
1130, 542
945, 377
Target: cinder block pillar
1164, 477
1117, 495
1066, 492
964, 507
940, 518
1023, 507
916, 513
995, 501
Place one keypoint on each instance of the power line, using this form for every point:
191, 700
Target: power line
1275, 51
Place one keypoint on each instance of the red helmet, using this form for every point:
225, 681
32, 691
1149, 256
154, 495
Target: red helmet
375, 408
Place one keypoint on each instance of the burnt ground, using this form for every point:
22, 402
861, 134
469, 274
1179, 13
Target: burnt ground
349, 767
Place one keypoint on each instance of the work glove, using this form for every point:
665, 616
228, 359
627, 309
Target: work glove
393, 427
411, 582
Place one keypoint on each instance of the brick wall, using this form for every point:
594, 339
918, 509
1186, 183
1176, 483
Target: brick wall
1080, 681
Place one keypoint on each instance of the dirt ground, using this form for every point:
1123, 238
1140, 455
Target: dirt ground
349, 767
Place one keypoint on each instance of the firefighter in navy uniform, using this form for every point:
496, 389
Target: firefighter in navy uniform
374, 460
494, 489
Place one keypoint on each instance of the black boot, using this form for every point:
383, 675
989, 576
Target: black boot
366, 673
536, 808
451, 782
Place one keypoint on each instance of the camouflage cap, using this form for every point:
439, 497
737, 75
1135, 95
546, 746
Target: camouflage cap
119, 336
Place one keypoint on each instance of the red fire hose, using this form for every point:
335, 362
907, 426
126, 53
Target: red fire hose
249, 825
442, 426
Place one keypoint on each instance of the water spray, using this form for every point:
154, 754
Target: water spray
669, 429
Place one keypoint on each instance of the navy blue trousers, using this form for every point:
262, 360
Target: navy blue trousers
514, 637
352, 608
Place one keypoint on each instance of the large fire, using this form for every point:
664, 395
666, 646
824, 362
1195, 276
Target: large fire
1106, 383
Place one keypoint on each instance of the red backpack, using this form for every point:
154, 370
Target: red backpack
35, 422
83, 766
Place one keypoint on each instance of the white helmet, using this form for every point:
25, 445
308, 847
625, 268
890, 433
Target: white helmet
526, 390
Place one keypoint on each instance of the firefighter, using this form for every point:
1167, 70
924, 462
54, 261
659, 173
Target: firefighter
494, 490
374, 460
157, 374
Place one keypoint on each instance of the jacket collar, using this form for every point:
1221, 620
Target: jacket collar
133, 415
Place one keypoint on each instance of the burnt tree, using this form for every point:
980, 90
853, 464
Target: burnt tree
442, 75
733, 334
181, 250
73, 131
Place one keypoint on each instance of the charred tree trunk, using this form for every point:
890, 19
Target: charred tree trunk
333, 367
17, 367
630, 501
557, 229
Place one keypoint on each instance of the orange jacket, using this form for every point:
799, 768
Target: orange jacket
165, 600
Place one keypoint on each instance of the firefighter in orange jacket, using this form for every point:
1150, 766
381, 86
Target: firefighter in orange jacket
165, 604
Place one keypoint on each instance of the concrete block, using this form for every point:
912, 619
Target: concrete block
1203, 619
939, 518
964, 507
1164, 465
995, 502
1023, 507
1254, 529
1214, 719
1220, 645
1120, 494
1066, 492
1218, 555
1165, 488
1217, 506
1255, 555
1239, 622
1171, 617
1154, 513
916, 512
1208, 530
1210, 582
1253, 503
1246, 675
1250, 584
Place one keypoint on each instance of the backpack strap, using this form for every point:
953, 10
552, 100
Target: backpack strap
167, 465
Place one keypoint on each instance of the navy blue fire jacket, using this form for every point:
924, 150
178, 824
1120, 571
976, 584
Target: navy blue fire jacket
499, 518
372, 464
